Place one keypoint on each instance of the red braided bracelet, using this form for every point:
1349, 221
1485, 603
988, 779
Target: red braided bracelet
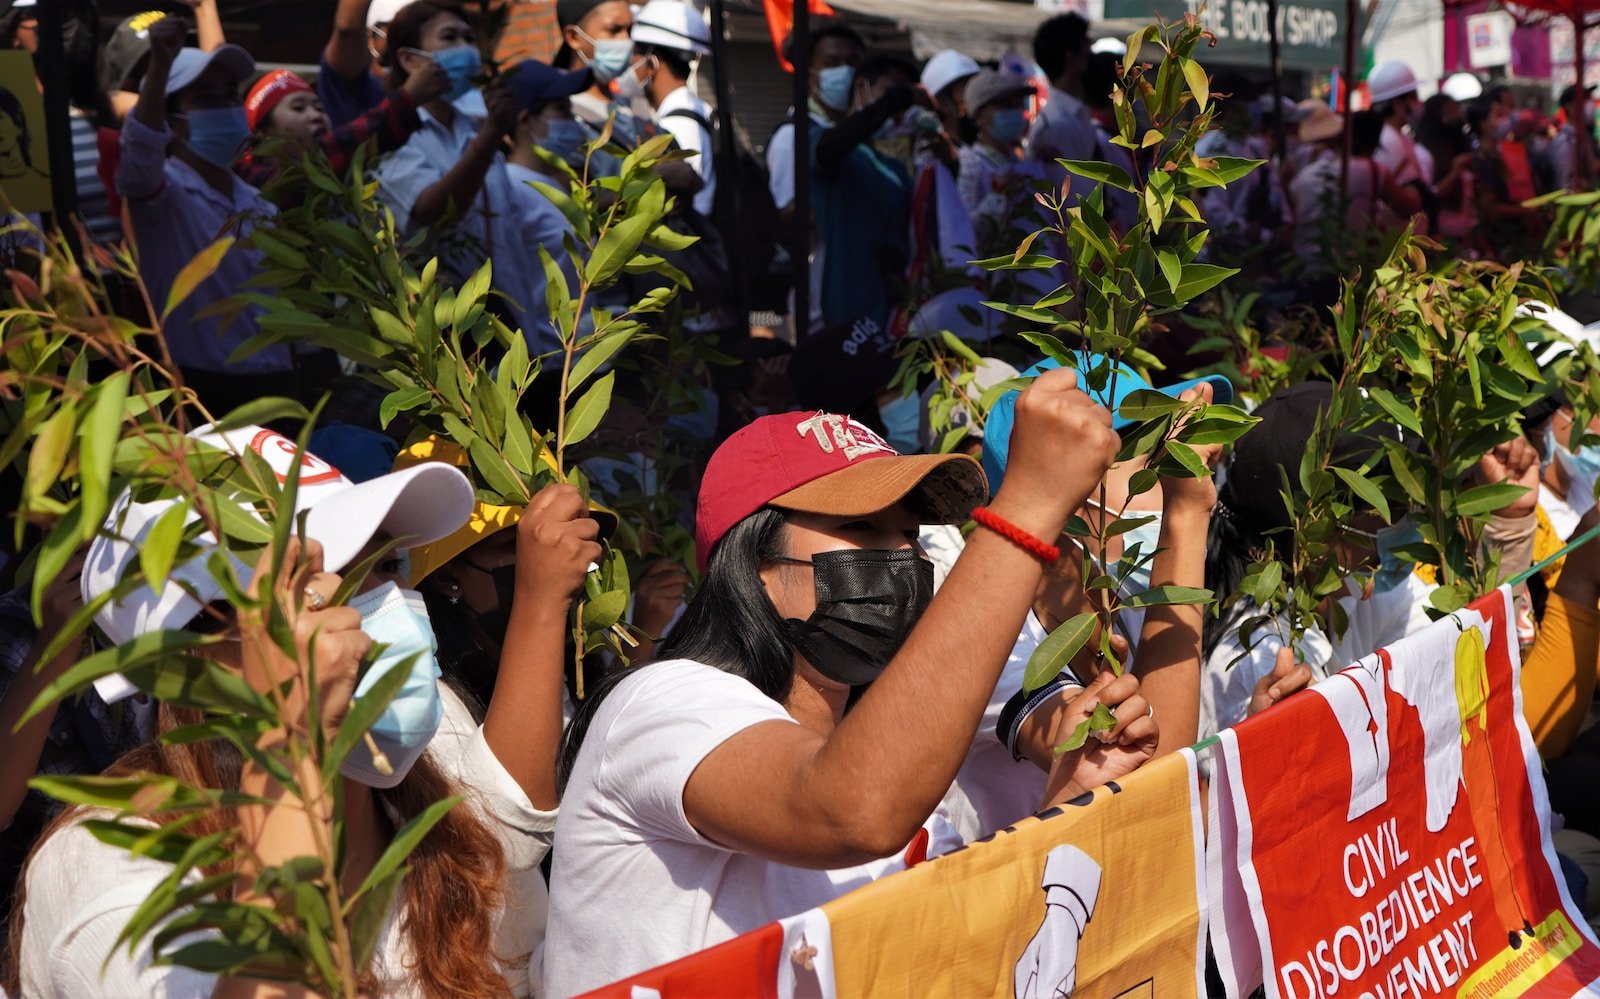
1043, 551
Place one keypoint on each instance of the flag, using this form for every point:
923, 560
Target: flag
780, 21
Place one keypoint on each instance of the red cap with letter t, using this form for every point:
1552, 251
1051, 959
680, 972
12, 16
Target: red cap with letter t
829, 464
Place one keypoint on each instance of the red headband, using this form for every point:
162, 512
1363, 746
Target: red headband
268, 91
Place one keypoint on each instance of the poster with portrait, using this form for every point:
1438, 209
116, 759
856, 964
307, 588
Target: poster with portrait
24, 151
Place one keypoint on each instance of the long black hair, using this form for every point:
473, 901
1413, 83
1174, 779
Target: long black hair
1231, 546
730, 624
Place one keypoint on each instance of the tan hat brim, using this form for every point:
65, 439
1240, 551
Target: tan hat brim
944, 488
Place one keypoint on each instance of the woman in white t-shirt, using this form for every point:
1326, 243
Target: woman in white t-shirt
466, 919
727, 785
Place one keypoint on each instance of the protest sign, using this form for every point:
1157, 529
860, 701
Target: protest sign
24, 153
1387, 834
1100, 898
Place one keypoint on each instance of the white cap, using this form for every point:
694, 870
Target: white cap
946, 68
19, 4
420, 504
1112, 45
1462, 87
191, 62
1390, 80
672, 24
381, 12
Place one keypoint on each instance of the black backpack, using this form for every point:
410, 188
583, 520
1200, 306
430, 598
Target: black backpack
747, 218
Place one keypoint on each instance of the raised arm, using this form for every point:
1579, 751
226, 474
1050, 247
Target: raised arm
346, 52
862, 791
1167, 660
462, 182
555, 546
207, 24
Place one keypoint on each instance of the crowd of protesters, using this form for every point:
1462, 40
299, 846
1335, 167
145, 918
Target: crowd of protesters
844, 677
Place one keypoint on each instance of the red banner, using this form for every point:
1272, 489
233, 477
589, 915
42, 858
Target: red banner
1387, 834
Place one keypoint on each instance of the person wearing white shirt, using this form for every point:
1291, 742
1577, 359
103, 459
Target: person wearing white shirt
1393, 89
450, 178
812, 664
669, 37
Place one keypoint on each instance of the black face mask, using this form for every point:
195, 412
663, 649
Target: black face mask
494, 623
868, 600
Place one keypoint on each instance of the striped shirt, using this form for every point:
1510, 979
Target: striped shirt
94, 205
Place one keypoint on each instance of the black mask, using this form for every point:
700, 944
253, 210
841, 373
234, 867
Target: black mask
494, 623
868, 600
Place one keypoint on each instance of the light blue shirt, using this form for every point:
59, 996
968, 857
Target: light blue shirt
488, 229
175, 215
541, 224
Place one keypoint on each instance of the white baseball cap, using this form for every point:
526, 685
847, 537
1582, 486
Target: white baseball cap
381, 12
672, 24
191, 62
419, 505
1462, 87
946, 68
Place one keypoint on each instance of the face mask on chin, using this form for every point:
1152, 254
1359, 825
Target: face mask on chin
868, 600
398, 619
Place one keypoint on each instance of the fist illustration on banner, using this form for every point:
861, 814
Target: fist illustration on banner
1048, 968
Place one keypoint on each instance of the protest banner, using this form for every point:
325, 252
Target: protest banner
1100, 898
1387, 834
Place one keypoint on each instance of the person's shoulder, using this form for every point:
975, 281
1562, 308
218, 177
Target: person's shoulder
677, 676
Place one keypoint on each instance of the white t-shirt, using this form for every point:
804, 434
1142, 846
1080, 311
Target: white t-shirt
81, 893
634, 884
692, 137
1398, 151
1563, 516
1382, 619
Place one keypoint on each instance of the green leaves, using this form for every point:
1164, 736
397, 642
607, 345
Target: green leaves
1056, 652
204, 264
1099, 170
586, 413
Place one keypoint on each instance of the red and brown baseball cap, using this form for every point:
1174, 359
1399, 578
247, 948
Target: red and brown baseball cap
828, 464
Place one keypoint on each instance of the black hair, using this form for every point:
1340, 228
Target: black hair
824, 27
879, 66
405, 31
677, 61
1496, 92
730, 624
12, 108
1366, 131
1230, 548
1477, 113
1056, 39
1100, 78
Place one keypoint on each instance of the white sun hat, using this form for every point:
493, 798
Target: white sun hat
418, 505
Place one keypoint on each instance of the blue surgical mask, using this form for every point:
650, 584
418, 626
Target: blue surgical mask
565, 138
902, 418
1008, 125
461, 63
833, 86
611, 56
217, 133
1148, 538
1393, 570
398, 619
1582, 467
